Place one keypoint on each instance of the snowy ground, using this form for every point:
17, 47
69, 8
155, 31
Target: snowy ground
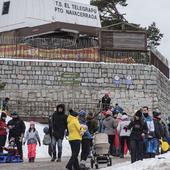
161, 162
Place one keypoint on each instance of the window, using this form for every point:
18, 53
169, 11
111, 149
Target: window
5, 9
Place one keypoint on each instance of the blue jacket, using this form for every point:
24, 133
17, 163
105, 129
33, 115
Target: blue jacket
87, 134
150, 124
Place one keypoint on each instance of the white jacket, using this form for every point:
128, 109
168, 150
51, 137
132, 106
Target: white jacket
123, 123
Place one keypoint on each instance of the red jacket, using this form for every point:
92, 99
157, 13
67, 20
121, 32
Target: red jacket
3, 127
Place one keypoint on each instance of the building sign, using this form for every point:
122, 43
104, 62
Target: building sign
76, 13
68, 78
17, 15
129, 41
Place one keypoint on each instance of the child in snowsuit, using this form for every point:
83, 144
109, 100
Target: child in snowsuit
12, 148
12, 155
86, 140
139, 130
32, 137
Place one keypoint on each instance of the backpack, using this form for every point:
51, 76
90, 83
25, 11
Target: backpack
47, 139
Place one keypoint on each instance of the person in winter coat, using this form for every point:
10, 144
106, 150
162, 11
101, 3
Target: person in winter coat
3, 130
117, 109
139, 130
86, 140
16, 128
124, 134
150, 142
165, 128
92, 123
57, 129
106, 101
75, 137
50, 133
5, 104
159, 131
110, 125
32, 137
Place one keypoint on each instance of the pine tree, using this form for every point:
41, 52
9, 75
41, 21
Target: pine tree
109, 13
153, 35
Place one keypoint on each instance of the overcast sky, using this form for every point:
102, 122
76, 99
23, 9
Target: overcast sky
144, 12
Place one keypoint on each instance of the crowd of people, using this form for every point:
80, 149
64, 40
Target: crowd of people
140, 134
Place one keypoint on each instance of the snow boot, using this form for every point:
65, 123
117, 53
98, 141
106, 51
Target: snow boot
33, 159
54, 157
59, 160
83, 165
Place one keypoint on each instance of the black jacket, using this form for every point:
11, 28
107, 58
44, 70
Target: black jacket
106, 101
138, 127
58, 123
18, 128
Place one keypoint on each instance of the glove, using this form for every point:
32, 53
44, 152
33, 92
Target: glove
39, 144
23, 143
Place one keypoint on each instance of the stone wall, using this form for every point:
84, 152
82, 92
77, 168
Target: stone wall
37, 86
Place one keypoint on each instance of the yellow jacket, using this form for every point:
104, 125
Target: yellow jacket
73, 128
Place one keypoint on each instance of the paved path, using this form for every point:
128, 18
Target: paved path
45, 164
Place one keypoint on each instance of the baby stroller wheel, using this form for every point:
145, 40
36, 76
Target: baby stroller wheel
92, 163
110, 162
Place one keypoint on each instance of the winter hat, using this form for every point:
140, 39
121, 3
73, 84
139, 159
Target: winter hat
73, 113
90, 114
108, 113
138, 114
124, 113
32, 123
124, 117
106, 94
156, 113
46, 130
82, 114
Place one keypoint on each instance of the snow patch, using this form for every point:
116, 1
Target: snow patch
161, 162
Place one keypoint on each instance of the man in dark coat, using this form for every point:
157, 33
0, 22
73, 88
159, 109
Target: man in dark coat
16, 131
139, 130
106, 101
57, 129
159, 131
5, 104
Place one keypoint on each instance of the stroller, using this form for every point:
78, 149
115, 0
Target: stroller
100, 151
12, 155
